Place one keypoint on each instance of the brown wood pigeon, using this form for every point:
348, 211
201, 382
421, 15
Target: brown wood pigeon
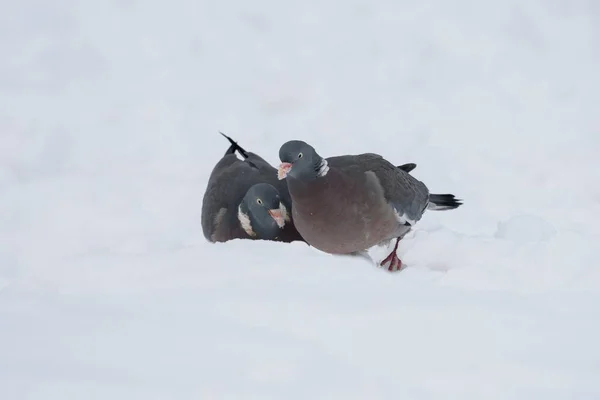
245, 200
348, 204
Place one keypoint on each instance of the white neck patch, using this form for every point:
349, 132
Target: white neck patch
284, 212
323, 168
245, 222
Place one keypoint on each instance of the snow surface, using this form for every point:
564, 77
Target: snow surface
109, 113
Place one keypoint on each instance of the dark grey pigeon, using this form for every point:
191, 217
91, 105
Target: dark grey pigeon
245, 200
348, 204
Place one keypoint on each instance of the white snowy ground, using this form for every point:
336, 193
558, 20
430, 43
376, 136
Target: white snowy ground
109, 113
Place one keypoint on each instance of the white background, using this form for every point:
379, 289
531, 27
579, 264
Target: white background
109, 113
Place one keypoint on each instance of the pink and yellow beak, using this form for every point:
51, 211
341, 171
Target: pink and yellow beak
283, 170
278, 216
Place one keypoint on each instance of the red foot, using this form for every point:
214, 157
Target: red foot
394, 262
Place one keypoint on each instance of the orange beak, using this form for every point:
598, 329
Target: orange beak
278, 217
283, 170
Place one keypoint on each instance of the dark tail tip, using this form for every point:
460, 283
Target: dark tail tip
234, 146
443, 202
407, 167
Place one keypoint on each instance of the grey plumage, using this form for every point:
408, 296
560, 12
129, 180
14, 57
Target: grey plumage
230, 207
347, 204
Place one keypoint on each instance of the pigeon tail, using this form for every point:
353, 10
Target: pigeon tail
234, 146
407, 167
440, 202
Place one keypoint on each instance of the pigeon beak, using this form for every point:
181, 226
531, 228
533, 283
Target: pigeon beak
278, 217
283, 170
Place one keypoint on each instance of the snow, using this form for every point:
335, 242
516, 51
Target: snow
109, 120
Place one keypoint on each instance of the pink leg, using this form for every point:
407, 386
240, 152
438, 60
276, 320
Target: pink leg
395, 263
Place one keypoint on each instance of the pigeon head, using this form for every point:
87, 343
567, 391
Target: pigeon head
300, 160
261, 212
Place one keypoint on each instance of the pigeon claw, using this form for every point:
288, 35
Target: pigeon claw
395, 264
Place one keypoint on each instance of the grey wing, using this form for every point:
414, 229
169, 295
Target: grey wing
213, 209
224, 163
225, 190
352, 161
406, 194
260, 163
211, 222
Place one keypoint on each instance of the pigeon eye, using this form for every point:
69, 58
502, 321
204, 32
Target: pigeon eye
259, 201
299, 155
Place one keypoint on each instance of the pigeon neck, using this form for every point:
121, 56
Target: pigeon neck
317, 170
322, 168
